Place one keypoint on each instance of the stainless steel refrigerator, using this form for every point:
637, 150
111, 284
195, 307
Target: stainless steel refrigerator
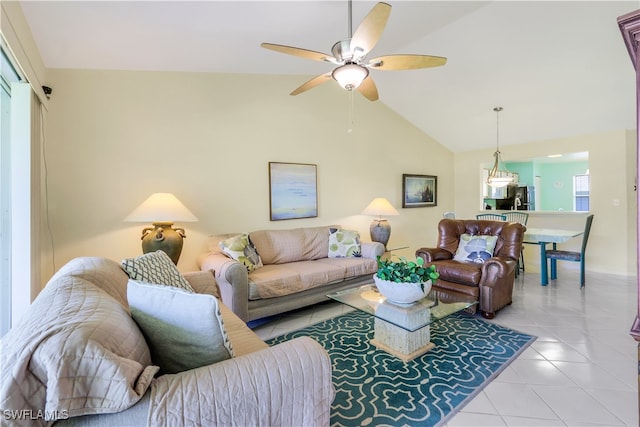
523, 198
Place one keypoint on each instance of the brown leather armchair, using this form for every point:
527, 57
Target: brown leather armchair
491, 282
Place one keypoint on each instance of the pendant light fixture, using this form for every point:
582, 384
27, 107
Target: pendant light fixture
499, 175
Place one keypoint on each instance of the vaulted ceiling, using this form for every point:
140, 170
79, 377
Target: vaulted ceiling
557, 68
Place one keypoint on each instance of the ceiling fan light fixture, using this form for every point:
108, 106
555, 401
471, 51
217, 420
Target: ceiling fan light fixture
350, 76
349, 55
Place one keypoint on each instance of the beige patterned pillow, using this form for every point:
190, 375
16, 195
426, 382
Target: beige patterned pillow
157, 268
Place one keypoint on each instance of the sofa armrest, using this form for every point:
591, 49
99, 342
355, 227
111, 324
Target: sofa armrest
287, 385
433, 254
203, 282
372, 250
232, 279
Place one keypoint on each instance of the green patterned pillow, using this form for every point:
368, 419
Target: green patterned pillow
156, 268
241, 249
344, 243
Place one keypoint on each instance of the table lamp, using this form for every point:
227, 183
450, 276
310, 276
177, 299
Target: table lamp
380, 230
161, 210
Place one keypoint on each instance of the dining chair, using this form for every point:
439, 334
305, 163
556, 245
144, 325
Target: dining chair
492, 217
449, 215
558, 255
522, 218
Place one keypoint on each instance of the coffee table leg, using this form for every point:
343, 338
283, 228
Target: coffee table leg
401, 343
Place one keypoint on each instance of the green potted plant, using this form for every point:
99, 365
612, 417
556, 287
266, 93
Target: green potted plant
403, 281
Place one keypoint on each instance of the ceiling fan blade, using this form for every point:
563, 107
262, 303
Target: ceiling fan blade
406, 62
296, 51
368, 89
370, 29
318, 80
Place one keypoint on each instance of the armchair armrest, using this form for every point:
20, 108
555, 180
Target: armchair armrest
433, 254
495, 270
372, 250
232, 279
288, 384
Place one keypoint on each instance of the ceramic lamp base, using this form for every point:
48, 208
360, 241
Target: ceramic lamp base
380, 230
162, 236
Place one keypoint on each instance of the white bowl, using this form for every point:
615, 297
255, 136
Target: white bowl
402, 293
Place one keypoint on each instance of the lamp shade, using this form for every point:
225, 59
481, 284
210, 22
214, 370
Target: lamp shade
380, 207
161, 207
499, 181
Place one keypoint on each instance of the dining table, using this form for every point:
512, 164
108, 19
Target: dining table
543, 237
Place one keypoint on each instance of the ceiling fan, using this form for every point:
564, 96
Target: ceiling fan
352, 71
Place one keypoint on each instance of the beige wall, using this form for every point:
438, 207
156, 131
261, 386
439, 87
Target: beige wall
113, 138
612, 243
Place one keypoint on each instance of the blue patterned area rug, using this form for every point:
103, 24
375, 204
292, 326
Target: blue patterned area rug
376, 388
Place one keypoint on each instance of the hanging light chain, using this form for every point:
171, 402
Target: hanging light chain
497, 110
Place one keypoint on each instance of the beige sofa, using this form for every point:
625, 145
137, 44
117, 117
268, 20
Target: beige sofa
79, 358
296, 271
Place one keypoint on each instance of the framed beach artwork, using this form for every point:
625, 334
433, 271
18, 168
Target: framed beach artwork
293, 191
419, 191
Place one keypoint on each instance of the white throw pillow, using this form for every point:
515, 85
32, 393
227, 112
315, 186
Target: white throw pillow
344, 243
155, 267
183, 330
475, 249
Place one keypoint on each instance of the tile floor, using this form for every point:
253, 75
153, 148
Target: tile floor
581, 371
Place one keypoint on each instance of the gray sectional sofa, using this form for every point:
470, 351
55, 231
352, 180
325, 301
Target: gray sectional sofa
296, 270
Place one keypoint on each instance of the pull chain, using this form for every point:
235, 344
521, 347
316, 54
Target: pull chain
351, 112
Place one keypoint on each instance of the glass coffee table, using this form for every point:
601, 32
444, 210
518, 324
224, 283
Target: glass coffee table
404, 330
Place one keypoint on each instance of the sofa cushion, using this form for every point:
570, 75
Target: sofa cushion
184, 330
300, 244
155, 267
241, 249
475, 249
352, 267
273, 280
76, 351
344, 243
285, 279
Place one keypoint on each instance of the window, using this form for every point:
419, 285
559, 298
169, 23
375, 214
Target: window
14, 126
7, 76
581, 193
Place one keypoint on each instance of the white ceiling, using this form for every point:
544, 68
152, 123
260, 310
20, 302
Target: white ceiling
557, 68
